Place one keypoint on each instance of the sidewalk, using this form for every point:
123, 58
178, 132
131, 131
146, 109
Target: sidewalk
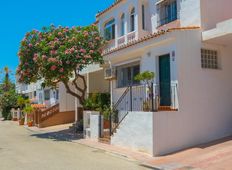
212, 156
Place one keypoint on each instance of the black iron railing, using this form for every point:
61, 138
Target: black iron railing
139, 98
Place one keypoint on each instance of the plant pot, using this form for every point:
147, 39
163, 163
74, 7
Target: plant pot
30, 124
21, 122
15, 119
106, 124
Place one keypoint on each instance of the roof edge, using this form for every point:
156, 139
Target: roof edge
107, 9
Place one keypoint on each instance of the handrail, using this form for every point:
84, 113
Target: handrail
113, 129
121, 98
117, 125
45, 114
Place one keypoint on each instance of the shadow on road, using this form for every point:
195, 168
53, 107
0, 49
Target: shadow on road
63, 135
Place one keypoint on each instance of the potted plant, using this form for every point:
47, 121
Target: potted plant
98, 103
22, 102
29, 110
147, 77
21, 121
106, 111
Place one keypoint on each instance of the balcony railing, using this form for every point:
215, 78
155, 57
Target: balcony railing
121, 40
131, 36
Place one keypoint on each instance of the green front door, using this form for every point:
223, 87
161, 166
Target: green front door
165, 80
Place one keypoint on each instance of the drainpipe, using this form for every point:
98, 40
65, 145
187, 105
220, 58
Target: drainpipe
111, 90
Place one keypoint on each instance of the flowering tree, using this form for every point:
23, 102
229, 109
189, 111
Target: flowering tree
59, 54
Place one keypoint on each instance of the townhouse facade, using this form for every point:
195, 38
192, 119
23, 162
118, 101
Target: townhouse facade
187, 44
37, 94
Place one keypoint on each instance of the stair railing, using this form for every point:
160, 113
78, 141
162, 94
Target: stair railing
45, 114
126, 98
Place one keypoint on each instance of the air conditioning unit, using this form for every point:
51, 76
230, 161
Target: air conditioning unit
110, 73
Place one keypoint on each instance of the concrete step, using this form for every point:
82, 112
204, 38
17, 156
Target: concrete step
105, 140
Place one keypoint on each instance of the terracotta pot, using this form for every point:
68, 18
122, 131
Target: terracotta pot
21, 122
15, 119
30, 124
106, 124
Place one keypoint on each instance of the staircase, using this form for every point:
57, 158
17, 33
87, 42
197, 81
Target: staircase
46, 114
116, 120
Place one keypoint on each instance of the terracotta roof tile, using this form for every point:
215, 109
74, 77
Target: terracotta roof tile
107, 9
38, 106
147, 37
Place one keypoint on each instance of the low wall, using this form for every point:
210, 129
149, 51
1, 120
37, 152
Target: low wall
176, 131
58, 119
135, 132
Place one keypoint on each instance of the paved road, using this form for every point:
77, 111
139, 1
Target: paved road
21, 149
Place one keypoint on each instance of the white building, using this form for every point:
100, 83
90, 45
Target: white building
37, 94
188, 44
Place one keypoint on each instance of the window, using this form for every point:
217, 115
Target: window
40, 98
167, 12
209, 59
57, 94
109, 30
47, 95
123, 24
143, 17
34, 93
126, 74
132, 20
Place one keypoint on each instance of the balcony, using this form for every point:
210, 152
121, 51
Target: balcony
131, 36
121, 40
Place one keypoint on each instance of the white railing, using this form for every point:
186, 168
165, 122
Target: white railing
131, 36
121, 40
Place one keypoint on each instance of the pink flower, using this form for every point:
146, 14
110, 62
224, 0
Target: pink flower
59, 33
53, 68
67, 62
88, 56
82, 50
35, 58
61, 70
91, 51
44, 57
85, 33
30, 45
52, 60
97, 38
72, 50
67, 51
53, 52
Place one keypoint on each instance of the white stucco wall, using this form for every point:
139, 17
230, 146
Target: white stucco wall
97, 82
204, 99
67, 101
190, 13
215, 11
135, 132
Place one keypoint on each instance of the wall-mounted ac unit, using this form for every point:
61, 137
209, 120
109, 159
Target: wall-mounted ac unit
110, 73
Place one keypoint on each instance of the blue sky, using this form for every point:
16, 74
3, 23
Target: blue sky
19, 16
